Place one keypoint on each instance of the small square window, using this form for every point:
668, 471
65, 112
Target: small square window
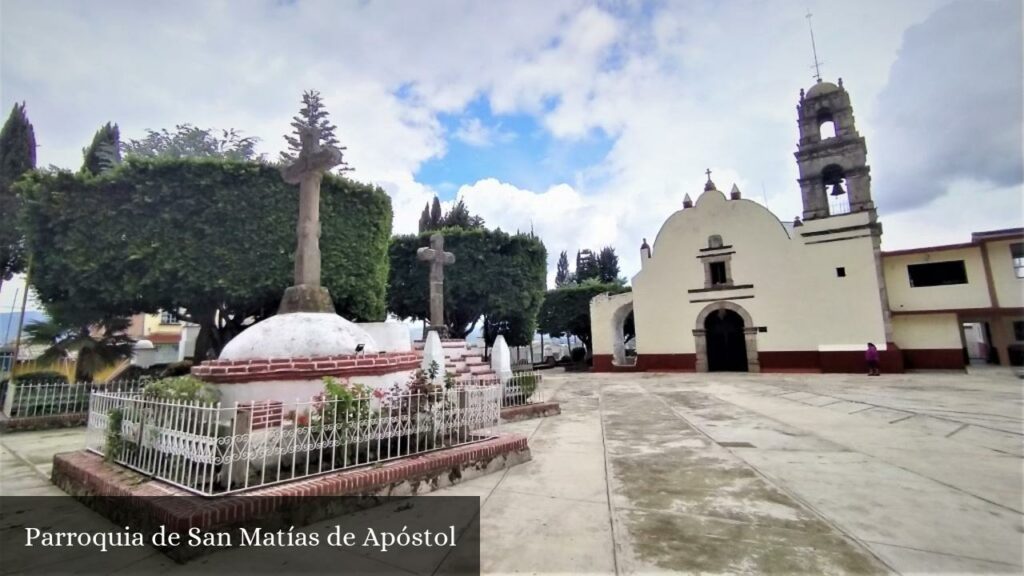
841, 272
1017, 253
717, 273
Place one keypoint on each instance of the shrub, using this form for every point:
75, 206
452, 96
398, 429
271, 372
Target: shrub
115, 443
528, 382
340, 402
579, 354
183, 368
182, 389
44, 376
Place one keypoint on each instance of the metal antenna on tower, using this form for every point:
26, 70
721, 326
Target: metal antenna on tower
817, 64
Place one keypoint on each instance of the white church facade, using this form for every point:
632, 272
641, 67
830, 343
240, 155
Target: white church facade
729, 286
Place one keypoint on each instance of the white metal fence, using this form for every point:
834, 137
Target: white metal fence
27, 399
520, 389
210, 449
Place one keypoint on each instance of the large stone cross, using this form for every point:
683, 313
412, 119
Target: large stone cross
307, 170
438, 259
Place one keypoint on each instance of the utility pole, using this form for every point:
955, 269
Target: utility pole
21, 320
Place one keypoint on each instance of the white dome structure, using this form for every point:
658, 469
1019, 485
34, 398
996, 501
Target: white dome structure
143, 344
298, 335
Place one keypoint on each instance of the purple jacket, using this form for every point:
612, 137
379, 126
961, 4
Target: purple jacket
871, 355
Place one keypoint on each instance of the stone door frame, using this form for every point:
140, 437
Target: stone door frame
749, 335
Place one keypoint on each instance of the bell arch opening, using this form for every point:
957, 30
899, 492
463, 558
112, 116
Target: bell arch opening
826, 125
832, 178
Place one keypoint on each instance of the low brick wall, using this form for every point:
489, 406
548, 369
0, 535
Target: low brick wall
350, 366
125, 496
530, 411
47, 422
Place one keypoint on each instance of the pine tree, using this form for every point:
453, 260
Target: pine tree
435, 215
313, 114
17, 156
562, 274
608, 265
105, 151
425, 218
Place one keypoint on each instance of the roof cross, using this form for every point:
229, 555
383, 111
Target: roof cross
814, 48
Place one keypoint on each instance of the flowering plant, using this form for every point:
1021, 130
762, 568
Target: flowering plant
341, 403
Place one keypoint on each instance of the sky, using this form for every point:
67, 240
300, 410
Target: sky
586, 122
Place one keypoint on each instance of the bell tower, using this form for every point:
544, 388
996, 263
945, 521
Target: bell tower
831, 156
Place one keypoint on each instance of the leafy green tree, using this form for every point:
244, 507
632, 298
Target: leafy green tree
459, 217
95, 345
213, 238
187, 141
566, 310
17, 156
495, 274
105, 151
608, 265
562, 276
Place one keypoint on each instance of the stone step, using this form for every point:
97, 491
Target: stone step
470, 378
446, 344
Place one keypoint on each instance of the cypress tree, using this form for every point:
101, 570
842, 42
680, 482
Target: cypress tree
435, 215
562, 275
425, 218
17, 156
105, 151
608, 265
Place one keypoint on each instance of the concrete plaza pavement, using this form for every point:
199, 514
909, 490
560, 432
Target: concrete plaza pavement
726, 473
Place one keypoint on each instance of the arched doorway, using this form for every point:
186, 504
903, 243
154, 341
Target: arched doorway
726, 344
624, 331
725, 338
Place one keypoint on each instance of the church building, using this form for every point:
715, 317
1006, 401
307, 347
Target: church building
728, 286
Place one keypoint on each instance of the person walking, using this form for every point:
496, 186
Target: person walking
871, 356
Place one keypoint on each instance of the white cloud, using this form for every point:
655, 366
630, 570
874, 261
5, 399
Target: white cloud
677, 87
473, 132
562, 217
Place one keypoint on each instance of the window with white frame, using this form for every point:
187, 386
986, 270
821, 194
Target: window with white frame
168, 317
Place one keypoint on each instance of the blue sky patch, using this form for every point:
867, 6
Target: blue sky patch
513, 148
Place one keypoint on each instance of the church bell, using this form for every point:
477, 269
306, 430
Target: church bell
837, 190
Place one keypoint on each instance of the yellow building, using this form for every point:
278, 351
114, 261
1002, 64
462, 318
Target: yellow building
934, 292
160, 339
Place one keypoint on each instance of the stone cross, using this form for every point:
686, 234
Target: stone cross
438, 259
307, 170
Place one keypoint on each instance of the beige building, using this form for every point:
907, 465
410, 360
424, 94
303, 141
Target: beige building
964, 296
729, 286
161, 338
